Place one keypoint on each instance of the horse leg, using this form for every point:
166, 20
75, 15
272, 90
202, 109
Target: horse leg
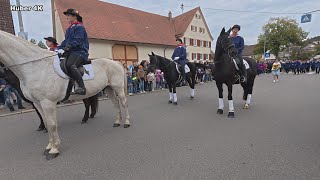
230, 100
170, 93
189, 80
94, 102
124, 103
41, 127
86, 113
221, 104
175, 99
50, 113
250, 89
115, 101
48, 148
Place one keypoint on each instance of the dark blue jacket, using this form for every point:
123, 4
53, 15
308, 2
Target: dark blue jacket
238, 42
76, 39
180, 52
4, 82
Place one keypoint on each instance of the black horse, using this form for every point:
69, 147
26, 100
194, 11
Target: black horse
225, 72
13, 80
171, 75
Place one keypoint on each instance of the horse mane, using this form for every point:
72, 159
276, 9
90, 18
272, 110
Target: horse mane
23, 43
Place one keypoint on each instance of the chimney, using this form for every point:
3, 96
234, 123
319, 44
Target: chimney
170, 16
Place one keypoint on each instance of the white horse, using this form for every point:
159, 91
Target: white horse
44, 87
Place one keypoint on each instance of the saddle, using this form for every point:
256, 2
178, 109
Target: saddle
186, 68
81, 68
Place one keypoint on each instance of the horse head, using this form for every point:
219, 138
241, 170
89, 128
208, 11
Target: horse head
224, 42
154, 62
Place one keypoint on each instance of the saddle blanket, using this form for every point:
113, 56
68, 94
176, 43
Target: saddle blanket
58, 70
186, 68
246, 64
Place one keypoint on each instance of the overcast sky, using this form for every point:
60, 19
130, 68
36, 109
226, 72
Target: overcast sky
39, 24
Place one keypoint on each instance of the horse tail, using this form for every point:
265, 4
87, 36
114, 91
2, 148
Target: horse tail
125, 82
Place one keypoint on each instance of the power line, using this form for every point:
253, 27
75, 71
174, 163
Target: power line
259, 12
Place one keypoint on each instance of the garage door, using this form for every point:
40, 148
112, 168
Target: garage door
125, 53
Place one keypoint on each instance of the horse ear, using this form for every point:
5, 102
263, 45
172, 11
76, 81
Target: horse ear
229, 31
222, 31
153, 54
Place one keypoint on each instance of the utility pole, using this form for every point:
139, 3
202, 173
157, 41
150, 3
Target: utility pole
21, 34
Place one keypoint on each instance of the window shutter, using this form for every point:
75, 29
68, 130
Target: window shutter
198, 56
184, 40
192, 56
210, 57
209, 44
198, 43
191, 42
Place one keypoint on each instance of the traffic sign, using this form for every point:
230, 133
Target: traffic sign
306, 18
267, 55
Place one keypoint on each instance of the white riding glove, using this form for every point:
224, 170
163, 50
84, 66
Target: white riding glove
176, 58
60, 51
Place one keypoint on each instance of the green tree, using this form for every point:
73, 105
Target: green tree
41, 44
317, 50
33, 41
279, 34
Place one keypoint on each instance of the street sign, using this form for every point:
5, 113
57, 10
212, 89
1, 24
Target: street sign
306, 18
267, 55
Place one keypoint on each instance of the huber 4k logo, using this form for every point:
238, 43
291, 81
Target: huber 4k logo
27, 8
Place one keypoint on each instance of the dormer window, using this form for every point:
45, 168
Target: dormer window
198, 16
194, 28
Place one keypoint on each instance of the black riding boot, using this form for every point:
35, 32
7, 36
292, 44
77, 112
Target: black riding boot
76, 75
244, 74
183, 72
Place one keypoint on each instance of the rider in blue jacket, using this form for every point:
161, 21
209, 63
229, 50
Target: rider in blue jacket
238, 42
75, 48
180, 56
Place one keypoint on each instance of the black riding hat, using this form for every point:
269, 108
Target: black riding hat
74, 13
236, 26
178, 39
51, 39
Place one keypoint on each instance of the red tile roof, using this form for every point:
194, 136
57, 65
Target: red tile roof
118, 23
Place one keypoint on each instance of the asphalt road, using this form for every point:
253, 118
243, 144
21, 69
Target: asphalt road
277, 138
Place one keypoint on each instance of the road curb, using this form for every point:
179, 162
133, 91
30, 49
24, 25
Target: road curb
69, 104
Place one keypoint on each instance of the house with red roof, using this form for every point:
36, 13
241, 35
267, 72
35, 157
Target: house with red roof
127, 34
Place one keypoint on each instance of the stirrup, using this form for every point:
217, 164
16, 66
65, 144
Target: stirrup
243, 79
79, 91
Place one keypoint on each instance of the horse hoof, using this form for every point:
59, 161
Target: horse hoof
246, 106
83, 122
46, 152
45, 131
220, 111
126, 125
170, 102
91, 116
175, 103
40, 128
191, 97
231, 115
51, 156
116, 125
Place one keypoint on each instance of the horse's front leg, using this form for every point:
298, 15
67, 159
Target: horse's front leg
221, 104
170, 93
190, 82
86, 113
230, 99
50, 112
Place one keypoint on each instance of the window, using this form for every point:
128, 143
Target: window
194, 28
198, 16
201, 43
194, 56
205, 44
201, 56
202, 30
187, 41
195, 42
205, 56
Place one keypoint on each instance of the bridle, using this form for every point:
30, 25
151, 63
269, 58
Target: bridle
7, 67
158, 63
